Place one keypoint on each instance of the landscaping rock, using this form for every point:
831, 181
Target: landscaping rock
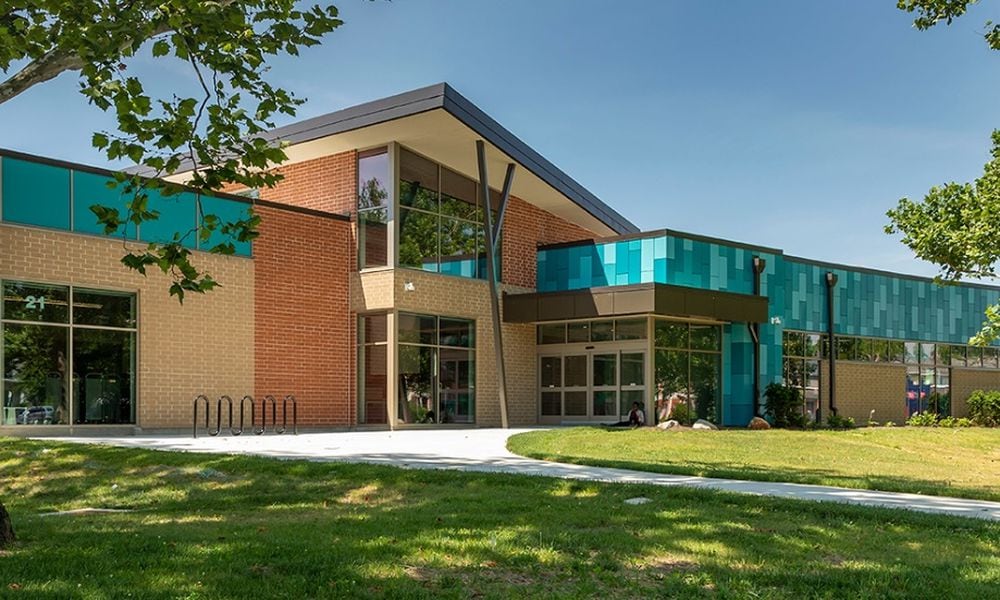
638, 500
668, 424
703, 424
6, 528
758, 423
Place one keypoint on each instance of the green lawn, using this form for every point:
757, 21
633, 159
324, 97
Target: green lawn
948, 462
208, 526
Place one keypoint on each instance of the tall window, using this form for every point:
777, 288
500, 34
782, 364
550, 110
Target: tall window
68, 355
441, 219
374, 209
437, 369
373, 379
688, 369
801, 367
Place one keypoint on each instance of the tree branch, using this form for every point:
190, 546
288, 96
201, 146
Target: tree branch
38, 71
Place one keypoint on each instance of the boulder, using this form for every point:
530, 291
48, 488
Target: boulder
703, 424
758, 423
668, 424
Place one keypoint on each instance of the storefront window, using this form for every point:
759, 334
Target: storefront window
60, 371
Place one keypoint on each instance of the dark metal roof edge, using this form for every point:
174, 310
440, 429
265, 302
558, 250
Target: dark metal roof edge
661, 232
843, 267
65, 164
481, 123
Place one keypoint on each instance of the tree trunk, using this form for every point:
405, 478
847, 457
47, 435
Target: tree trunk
6, 528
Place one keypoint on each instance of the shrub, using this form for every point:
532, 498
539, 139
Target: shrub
953, 422
681, 413
784, 405
839, 422
890, 424
923, 419
984, 408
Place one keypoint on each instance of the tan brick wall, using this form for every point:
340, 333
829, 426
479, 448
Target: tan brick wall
966, 381
525, 228
304, 337
861, 387
205, 345
469, 299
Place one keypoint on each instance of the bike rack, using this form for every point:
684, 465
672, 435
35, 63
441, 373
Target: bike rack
202, 398
194, 428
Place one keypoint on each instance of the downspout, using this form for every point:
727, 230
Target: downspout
831, 283
758, 267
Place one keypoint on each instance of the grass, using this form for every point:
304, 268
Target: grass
206, 526
947, 462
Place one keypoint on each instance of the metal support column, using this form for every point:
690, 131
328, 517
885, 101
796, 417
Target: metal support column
758, 267
831, 284
493, 234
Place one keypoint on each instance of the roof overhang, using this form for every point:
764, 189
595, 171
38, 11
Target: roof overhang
441, 124
647, 298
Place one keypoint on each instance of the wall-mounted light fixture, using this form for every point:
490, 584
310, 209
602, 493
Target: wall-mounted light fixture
408, 286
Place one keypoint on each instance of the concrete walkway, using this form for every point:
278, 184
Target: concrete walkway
484, 450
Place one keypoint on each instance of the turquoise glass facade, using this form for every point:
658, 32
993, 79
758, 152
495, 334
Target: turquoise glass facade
867, 303
41, 194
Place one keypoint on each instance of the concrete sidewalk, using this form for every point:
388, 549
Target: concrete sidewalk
484, 450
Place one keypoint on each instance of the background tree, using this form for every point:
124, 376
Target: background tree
213, 131
957, 225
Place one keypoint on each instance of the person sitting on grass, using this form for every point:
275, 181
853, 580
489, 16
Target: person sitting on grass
636, 417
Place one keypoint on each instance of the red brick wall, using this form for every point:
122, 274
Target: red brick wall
328, 183
527, 227
304, 332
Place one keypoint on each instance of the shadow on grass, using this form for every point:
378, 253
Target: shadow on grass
227, 526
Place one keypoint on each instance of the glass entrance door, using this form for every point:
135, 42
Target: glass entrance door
597, 386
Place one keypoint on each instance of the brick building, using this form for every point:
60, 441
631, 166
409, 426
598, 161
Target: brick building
367, 297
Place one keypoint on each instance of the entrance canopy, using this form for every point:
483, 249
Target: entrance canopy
647, 298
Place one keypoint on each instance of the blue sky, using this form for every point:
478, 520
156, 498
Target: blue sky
783, 123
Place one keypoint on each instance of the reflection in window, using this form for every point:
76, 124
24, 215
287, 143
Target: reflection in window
440, 219
373, 369
103, 363
437, 375
688, 363
374, 208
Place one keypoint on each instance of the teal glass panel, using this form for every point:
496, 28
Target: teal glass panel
178, 216
228, 211
90, 189
35, 194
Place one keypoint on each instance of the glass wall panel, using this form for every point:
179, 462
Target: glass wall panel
911, 353
458, 247
374, 208
629, 397
958, 357
456, 382
373, 241
90, 189
458, 196
705, 385
178, 218
605, 403
35, 302
811, 388
940, 400
974, 357
551, 371
416, 376
990, 356
605, 370
916, 393
551, 404
35, 194
228, 211
602, 331
456, 332
672, 373
812, 344
35, 387
418, 183
847, 348
927, 354
103, 363
375, 389
578, 332
575, 404
630, 329
417, 329
669, 334
633, 368
552, 333
418, 240
793, 343
575, 371
706, 337
895, 351
106, 309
